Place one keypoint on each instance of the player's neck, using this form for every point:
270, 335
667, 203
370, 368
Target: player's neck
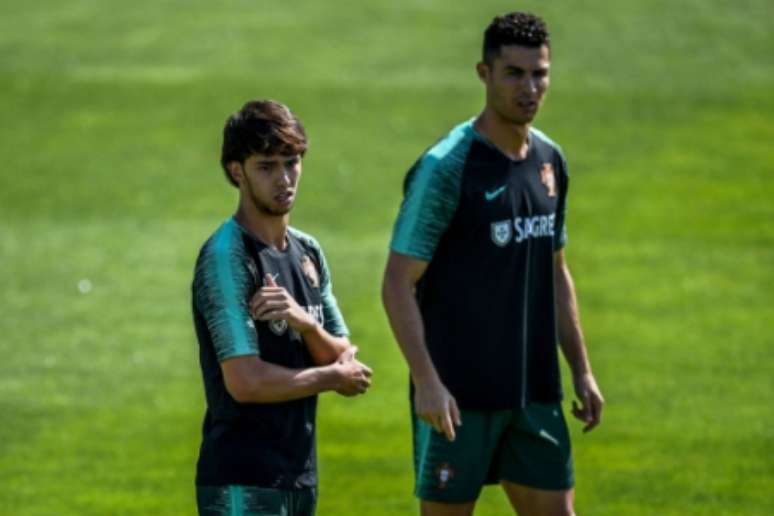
272, 230
512, 139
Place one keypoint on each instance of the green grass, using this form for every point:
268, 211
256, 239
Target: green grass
111, 127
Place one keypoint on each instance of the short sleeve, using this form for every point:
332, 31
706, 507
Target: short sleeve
221, 288
334, 320
431, 197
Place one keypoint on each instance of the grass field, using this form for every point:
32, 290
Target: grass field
111, 119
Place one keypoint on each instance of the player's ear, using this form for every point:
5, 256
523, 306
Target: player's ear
236, 171
483, 71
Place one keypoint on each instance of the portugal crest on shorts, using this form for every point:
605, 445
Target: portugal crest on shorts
501, 232
444, 473
548, 178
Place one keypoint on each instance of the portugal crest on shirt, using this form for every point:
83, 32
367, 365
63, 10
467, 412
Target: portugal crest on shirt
278, 326
548, 179
501, 232
310, 271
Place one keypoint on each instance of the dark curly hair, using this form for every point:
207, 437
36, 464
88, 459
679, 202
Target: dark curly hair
515, 28
261, 127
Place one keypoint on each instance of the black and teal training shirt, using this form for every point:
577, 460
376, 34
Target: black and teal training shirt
489, 227
271, 444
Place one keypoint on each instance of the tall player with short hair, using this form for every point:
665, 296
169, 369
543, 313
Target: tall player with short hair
478, 293
271, 336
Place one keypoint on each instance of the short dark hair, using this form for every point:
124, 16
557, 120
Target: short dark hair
261, 127
515, 28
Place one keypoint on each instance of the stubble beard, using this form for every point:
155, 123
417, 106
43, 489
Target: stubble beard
264, 208
508, 114
517, 119
512, 120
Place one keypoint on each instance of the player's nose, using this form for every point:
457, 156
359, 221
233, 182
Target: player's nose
285, 178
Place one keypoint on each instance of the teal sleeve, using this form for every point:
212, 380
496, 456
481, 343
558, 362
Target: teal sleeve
334, 320
560, 235
222, 286
431, 197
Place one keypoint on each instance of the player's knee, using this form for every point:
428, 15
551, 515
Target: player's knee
561, 505
428, 508
566, 508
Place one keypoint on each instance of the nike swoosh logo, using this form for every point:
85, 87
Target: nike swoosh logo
546, 435
490, 196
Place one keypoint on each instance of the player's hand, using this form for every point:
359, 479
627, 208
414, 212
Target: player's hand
591, 401
353, 376
272, 302
435, 405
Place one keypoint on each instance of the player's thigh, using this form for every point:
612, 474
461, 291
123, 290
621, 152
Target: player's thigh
452, 473
535, 450
530, 501
428, 508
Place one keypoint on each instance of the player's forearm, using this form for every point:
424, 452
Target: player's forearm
270, 383
323, 347
568, 322
407, 326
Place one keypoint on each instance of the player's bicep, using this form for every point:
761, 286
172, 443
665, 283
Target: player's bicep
559, 260
404, 269
238, 374
562, 277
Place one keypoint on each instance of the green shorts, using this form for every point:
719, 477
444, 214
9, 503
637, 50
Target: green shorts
529, 446
255, 501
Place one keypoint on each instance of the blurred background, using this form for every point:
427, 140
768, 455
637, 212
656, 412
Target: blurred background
111, 125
